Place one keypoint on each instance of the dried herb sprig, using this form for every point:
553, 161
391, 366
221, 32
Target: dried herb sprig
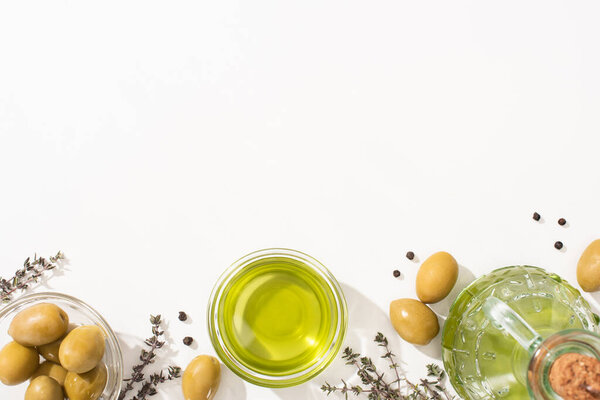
32, 270
375, 387
435, 386
147, 357
149, 386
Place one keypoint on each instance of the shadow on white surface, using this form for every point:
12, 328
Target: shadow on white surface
364, 319
595, 304
44, 280
131, 347
231, 386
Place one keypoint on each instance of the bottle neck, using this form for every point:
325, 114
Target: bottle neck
569, 344
566, 351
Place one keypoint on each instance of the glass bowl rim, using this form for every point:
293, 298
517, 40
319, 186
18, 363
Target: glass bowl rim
227, 356
113, 341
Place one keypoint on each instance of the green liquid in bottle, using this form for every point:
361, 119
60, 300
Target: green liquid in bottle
278, 316
485, 362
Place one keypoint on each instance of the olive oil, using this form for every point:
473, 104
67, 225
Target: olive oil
485, 362
278, 316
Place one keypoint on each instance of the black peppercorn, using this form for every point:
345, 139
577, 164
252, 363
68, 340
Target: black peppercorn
410, 255
188, 340
182, 316
396, 273
558, 245
562, 221
536, 216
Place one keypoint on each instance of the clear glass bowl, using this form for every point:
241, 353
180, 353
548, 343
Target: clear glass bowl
283, 378
80, 314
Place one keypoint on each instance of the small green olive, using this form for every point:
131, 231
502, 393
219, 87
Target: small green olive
201, 378
50, 351
588, 267
86, 386
436, 277
414, 321
52, 370
17, 363
39, 324
82, 349
44, 388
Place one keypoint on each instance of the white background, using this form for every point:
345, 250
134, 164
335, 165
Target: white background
157, 142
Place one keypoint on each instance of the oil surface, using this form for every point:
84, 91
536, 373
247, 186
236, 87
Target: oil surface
278, 316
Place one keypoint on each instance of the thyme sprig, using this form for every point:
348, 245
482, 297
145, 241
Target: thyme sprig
32, 270
147, 357
376, 387
149, 386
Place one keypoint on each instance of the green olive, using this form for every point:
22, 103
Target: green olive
44, 388
414, 321
86, 386
39, 324
436, 277
201, 378
50, 351
82, 349
53, 370
588, 267
17, 363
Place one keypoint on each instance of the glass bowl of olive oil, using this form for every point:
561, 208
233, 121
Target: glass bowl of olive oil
277, 317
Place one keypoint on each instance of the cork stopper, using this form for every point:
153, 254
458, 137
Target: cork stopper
574, 376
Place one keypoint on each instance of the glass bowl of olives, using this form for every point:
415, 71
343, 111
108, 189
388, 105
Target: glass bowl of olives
54, 346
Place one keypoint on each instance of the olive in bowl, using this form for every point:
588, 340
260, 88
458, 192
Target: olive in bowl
104, 353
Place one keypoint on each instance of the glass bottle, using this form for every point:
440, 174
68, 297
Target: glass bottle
488, 345
543, 352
